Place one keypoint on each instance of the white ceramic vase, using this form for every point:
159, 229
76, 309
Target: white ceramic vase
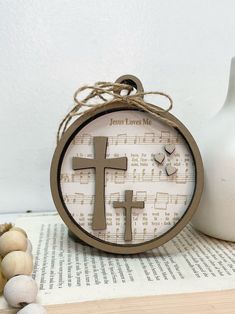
216, 213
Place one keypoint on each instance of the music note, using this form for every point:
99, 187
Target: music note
121, 139
164, 137
141, 196
161, 200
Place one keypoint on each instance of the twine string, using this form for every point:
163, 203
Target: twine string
108, 93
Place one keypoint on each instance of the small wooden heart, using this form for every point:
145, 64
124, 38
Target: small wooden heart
170, 170
169, 148
159, 158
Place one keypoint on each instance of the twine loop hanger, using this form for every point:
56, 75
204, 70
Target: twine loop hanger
107, 93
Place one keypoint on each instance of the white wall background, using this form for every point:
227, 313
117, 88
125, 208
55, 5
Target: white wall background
49, 48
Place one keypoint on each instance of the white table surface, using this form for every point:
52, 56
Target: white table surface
8, 217
11, 217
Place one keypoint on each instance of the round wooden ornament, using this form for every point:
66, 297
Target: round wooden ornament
123, 180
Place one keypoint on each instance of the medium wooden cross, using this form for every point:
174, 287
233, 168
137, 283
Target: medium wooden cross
99, 163
128, 204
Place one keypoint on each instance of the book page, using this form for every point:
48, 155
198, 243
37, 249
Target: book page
67, 271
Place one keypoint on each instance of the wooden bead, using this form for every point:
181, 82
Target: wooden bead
33, 308
20, 291
20, 230
17, 263
12, 241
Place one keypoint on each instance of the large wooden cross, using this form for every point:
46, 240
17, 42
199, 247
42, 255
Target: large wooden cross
99, 163
128, 204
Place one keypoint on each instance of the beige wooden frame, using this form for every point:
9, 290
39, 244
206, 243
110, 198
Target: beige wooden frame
83, 235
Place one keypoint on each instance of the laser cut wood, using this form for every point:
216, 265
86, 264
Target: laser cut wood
99, 163
125, 181
159, 158
170, 170
128, 204
170, 148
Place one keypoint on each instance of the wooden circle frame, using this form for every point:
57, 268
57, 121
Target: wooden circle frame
81, 233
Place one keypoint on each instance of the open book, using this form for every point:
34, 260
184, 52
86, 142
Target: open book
69, 272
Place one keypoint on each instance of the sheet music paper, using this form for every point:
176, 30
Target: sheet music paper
68, 272
139, 137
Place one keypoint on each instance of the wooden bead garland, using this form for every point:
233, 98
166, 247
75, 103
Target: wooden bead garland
12, 241
20, 290
16, 265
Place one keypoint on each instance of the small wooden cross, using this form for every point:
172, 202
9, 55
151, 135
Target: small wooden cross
128, 204
99, 163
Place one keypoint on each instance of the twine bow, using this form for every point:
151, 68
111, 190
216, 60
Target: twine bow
117, 93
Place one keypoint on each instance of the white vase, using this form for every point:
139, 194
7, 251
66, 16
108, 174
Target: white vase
216, 213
